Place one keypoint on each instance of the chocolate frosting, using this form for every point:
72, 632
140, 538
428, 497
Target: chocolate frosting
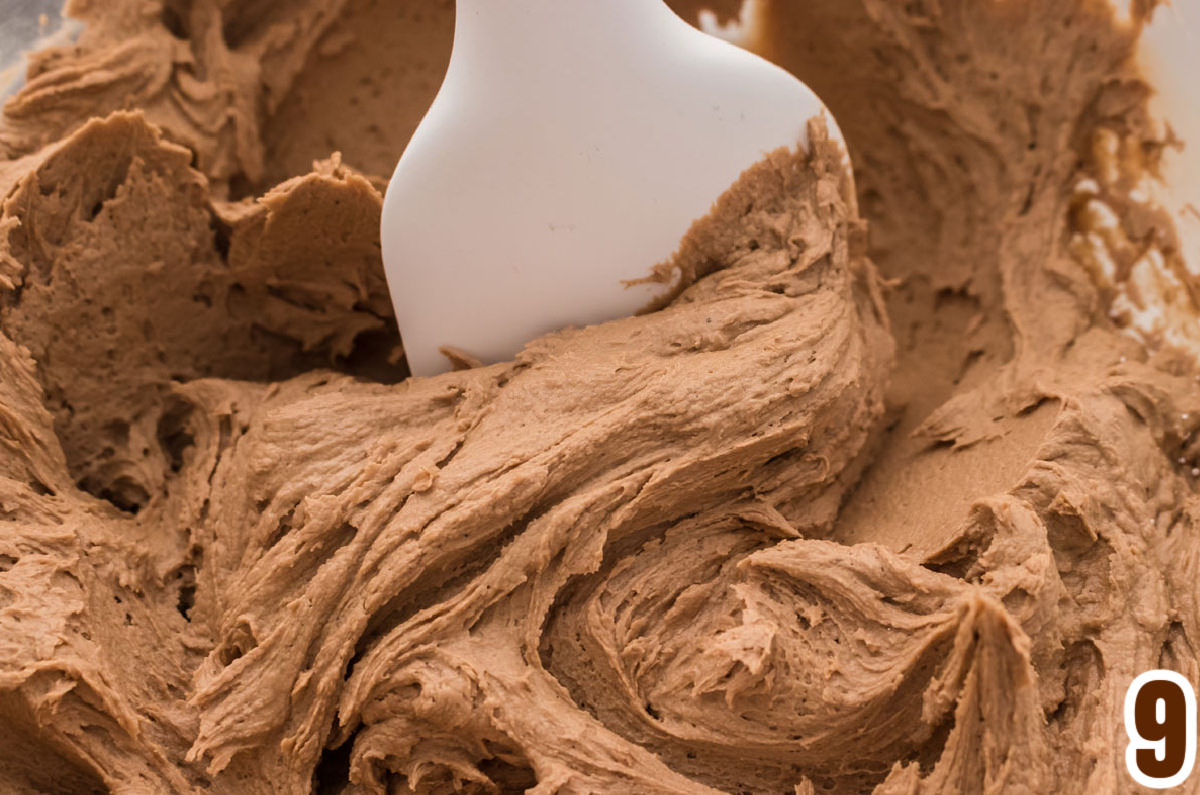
885, 500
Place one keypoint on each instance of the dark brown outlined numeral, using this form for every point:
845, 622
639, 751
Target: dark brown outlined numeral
1160, 719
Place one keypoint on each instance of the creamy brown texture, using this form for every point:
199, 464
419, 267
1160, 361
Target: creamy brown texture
802, 530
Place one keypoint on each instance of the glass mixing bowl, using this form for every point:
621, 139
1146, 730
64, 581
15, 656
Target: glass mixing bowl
27, 25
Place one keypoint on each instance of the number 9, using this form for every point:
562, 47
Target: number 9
1160, 719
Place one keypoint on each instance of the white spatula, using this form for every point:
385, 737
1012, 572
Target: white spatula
572, 144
